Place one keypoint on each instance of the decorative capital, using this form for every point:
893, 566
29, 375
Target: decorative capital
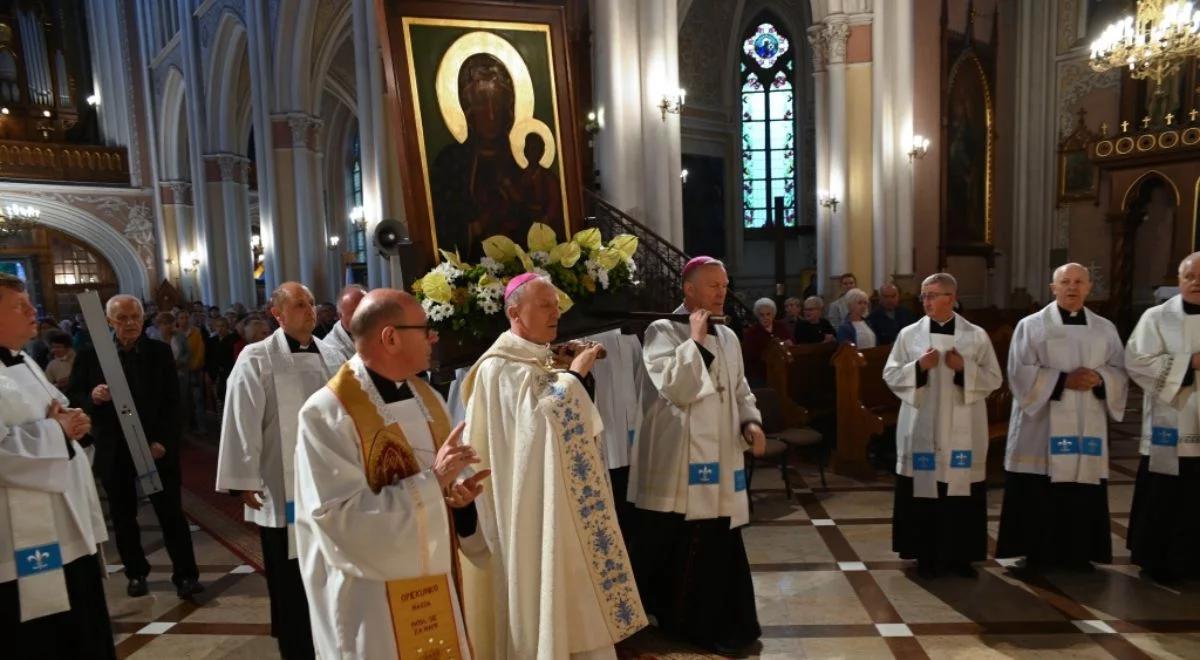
176, 192
836, 35
820, 47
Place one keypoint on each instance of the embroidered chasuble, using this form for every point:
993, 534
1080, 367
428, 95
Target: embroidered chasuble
556, 581
377, 544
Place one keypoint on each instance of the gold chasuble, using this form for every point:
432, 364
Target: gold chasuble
421, 609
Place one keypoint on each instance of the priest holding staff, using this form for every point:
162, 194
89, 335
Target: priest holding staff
1162, 357
557, 582
1066, 375
380, 507
688, 478
942, 369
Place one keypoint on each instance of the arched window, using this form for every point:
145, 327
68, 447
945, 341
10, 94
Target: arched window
768, 125
358, 231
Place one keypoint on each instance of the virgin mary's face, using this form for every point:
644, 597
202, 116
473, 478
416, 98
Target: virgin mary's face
486, 93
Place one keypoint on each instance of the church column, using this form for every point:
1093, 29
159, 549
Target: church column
618, 98
219, 172
258, 48
106, 42
836, 34
892, 100
816, 38
658, 32
177, 234
300, 233
1034, 140
204, 274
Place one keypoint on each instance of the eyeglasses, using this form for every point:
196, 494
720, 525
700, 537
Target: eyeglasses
429, 331
932, 295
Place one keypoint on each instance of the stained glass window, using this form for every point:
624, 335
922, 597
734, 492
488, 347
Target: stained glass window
358, 233
768, 127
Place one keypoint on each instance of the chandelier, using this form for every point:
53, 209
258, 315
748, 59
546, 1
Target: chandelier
18, 218
1154, 44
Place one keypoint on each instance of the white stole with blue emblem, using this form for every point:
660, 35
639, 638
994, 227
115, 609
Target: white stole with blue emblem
1078, 444
1157, 357
38, 557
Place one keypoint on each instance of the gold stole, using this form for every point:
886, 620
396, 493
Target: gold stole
422, 614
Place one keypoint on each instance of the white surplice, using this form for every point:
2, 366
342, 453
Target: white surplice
340, 340
942, 427
619, 377
46, 497
1158, 358
265, 391
557, 582
1042, 349
352, 541
690, 456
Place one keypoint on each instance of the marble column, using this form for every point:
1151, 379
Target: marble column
301, 236
661, 157
177, 227
189, 43
892, 101
1035, 144
259, 49
816, 39
837, 31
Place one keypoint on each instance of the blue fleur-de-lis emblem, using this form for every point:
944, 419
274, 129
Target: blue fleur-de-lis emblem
37, 560
1164, 436
924, 461
705, 474
1062, 445
1092, 447
960, 458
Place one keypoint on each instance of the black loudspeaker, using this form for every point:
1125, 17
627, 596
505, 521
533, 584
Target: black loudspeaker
389, 237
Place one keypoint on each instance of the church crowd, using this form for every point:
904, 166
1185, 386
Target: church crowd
561, 496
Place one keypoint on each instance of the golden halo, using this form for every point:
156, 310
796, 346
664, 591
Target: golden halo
516, 140
446, 83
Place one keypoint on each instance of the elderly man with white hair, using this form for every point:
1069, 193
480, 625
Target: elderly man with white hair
1162, 357
942, 368
149, 368
558, 582
339, 337
1065, 369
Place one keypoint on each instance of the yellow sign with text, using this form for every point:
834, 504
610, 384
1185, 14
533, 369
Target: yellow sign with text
423, 618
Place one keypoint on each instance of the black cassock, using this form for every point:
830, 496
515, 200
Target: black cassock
1164, 523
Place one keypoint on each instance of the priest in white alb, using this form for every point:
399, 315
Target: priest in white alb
688, 478
377, 478
269, 383
338, 338
557, 581
1162, 357
1065, 370
51, 590
620, 378
942, 369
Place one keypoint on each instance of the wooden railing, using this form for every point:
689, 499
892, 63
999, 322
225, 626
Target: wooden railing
63, 163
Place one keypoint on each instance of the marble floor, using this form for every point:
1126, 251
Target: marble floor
826, 581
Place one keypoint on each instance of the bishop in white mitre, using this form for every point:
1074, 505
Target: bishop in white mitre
51, 595
556, 582
269, 383
620, 378
1066, 373
1162, 357
339, 338
942, 369
688, 478
380, 507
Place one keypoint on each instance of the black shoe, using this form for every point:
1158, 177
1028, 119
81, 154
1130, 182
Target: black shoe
731, 649
963, 569
137, 587
1082, 566
1163, 576
188, 587
926, 569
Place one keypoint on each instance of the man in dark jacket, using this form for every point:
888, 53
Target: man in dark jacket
149, 368
889, 317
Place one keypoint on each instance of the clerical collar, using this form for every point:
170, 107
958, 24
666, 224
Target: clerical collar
295, 347
936, 328
389, 390
1189, 308
11, 358
1076, 318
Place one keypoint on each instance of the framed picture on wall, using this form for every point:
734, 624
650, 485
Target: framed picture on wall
1078, 178
484, 99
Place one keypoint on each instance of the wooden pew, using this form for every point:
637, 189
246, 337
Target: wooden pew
865, 406
803, 377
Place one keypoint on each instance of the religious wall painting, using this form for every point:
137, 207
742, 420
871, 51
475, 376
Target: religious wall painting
1078, 177
968, 117
486, 108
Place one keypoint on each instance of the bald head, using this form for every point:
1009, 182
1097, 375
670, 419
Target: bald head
348, 301
532, 311
389, 329
889, 296
1189, 278
1071, 286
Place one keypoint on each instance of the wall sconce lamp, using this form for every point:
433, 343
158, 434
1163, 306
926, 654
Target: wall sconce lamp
93, 100
592, 125
334, 242
683, 175
672, 103
358, 216
191, 262
46, 114
255, 242
918, 147
5, 112
828, 201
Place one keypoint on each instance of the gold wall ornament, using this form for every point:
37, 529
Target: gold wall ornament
446, 82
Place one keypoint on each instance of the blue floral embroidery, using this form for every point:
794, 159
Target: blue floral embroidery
625, 612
